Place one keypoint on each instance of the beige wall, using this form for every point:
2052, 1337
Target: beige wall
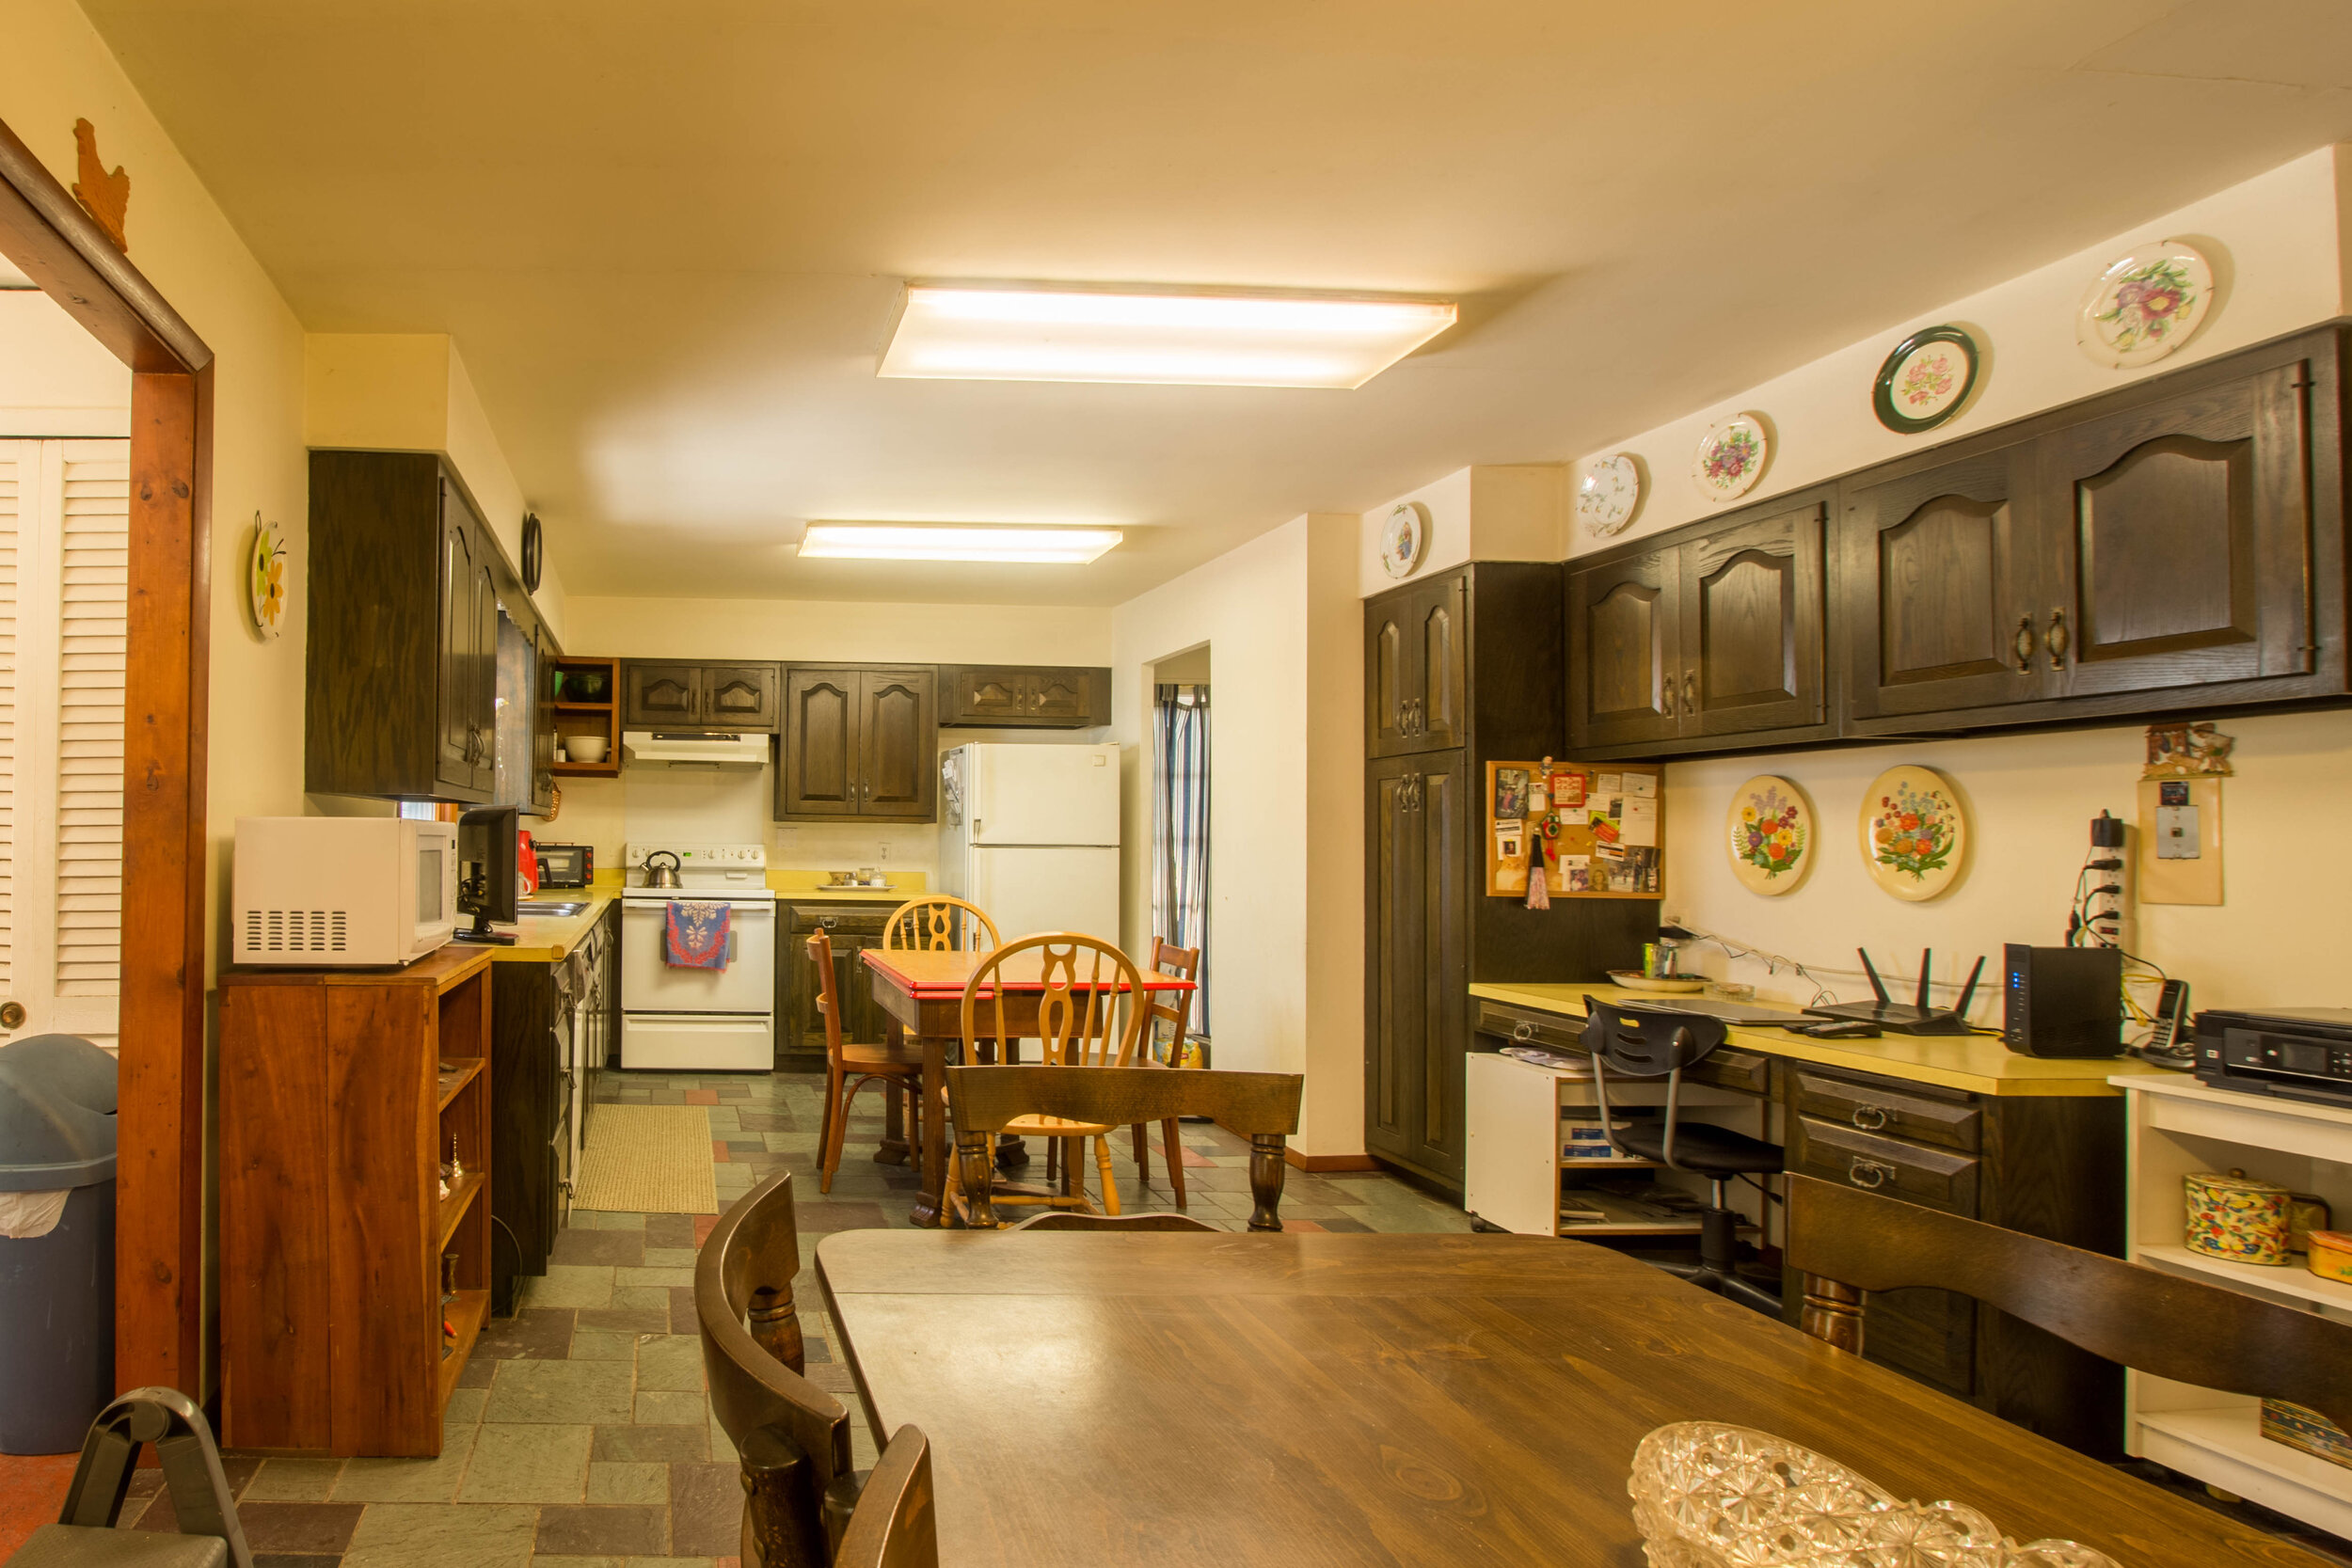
56, 379
1490, 512
817, 630
1285, 955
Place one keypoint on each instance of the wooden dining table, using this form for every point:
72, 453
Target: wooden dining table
1304, 1398
922, 992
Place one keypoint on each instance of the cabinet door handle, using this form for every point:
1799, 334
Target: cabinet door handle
1691, 694
2056, 640
1868, 1173
1869, 1117
2024, 644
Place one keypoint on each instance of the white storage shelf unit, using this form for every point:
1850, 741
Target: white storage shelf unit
1518, 1115
2179, 1125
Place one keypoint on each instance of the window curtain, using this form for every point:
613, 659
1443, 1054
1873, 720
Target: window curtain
1180, 829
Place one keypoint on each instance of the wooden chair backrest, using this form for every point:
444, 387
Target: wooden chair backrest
1260, 1106
1078, 1014
939, 924
1070, 1219
828, 992
894, 1525
1846, 1241
793, 1437
1175, 1007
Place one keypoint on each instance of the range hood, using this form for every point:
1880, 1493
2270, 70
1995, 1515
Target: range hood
709, 747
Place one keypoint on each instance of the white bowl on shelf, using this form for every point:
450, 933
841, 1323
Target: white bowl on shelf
586, 748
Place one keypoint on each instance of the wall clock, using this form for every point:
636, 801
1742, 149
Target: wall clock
534, 551
1608, 493
1926, 380
2146, 304
265, 579
1913, 833
1404, 537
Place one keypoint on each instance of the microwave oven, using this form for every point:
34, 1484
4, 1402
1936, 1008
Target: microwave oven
341, 890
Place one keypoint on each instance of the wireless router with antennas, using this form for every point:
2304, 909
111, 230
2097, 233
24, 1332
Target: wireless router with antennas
1907, 1018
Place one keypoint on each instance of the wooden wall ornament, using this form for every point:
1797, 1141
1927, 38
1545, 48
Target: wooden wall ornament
106, 197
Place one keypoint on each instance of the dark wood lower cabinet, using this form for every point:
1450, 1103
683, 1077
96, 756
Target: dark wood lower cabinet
1417, 815
2050, 1167
852, 928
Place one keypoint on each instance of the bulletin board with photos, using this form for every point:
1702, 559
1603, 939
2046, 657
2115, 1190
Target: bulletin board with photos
1598, 829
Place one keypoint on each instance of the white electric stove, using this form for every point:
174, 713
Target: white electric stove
679, 1019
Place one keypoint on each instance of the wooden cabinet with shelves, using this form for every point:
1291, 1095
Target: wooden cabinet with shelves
586, 702
340, 1091
1012, 696
659, 695
859, 742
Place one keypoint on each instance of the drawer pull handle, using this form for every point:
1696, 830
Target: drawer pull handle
1522, 1030
1869, 1173
1869, 1117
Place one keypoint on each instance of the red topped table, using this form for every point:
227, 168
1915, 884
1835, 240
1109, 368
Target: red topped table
922, 992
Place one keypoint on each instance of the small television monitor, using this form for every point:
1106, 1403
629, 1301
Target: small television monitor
486, 871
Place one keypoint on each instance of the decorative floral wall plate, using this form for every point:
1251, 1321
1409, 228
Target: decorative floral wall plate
1608, 493
2145, 305
1926, 380
1731, 457
1770, 831
265, 578
1913, 833
1404, 537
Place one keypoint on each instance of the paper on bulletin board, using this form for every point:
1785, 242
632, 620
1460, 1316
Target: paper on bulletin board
2176, 869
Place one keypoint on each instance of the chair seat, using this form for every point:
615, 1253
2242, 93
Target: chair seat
85, 1546
1056, 1127
880, 1058
1701, 1146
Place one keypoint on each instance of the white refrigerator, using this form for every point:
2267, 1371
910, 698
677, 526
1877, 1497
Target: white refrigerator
1030, 834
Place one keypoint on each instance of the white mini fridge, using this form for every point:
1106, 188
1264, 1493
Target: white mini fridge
1030, 834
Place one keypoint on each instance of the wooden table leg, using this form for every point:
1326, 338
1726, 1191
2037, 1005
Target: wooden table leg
893, 1149
927, 1203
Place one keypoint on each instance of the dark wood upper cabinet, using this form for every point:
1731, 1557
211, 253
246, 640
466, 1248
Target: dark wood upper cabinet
400, 673
859, 742
1016, 696
657, 695
1417, 667
1718, 635
1943, 585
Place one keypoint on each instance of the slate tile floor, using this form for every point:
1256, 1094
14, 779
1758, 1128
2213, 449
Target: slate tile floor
579, 1435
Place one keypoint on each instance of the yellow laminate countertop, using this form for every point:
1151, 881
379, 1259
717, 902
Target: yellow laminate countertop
545, 941
1977, 1063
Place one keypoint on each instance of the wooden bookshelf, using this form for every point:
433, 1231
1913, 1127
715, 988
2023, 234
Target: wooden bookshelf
340, 1091
574, 716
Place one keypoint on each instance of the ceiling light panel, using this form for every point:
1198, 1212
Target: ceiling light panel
1027, 546
1009, 334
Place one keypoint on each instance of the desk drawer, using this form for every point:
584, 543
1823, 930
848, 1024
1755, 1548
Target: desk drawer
1730, 1067
1934, 1177
1899, 1112
1526, 1026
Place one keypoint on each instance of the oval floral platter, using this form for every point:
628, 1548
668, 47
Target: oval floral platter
1731, 457
1608, 493
1771, 830
1926, 380
1913, 833
2145, 305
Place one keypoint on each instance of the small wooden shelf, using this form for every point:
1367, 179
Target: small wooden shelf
465, 1314
583, 707
453, 1209
571, 717
590, 769
457, 1078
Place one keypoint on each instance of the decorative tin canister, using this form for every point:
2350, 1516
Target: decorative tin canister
2331, 1255
2236, 1218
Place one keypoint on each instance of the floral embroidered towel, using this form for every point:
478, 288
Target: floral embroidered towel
694, 935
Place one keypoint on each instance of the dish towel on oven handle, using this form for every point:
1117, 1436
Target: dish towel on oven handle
696, 935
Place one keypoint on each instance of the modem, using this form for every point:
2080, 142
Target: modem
1920, 1018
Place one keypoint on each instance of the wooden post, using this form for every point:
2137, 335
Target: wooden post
979, 1178
784, 1517
1833, 1313
1266, 1169
775, 1324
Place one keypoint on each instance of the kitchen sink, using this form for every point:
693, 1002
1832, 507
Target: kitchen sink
549, 908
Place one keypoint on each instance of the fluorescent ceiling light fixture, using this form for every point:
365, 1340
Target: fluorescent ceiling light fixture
982, 333
1027, 546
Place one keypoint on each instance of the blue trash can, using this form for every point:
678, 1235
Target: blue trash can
56, 1242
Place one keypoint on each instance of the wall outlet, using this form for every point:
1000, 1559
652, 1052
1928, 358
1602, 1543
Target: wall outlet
882, 853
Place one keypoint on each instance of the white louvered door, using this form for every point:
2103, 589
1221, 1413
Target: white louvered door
64, 555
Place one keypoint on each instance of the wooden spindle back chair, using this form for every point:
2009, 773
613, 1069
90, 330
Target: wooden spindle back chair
1173, 1008
894, 1525
794, 1438
851, 1065
939, 924
1089, 1013
1847, 1241
1260, 1106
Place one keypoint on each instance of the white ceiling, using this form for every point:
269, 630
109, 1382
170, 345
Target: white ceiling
667, 238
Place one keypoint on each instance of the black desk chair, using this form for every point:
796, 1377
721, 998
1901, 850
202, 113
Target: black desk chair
1652, 1042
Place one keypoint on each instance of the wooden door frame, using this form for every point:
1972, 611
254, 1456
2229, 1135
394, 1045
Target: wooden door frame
159, 1195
